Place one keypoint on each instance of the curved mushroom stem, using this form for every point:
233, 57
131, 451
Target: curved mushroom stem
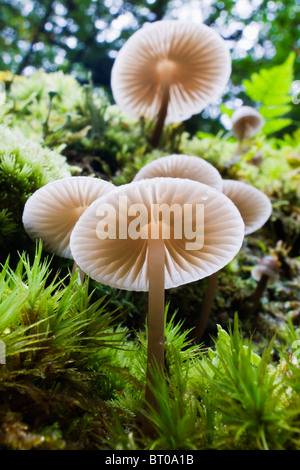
156, 314
254, 299
162, 114
206, 307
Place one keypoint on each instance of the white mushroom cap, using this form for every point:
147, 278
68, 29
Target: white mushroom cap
254, 206
192, 57
246, 122
123, 262
182, 166
268, 266
52, 211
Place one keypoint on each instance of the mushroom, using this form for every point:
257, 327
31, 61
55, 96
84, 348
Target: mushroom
52, 211
182, 166
255, 209
268, 267
152, 235
169, 70
266, 272
246, 122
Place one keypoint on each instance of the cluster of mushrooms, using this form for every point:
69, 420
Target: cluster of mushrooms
167, 71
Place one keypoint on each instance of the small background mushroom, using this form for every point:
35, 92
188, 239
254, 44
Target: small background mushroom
246, 123
266, 272
169, 70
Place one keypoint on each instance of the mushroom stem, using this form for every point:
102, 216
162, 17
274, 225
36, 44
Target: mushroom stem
161, 115
206, 307
156, 314
254, 300
239, 148
81, 273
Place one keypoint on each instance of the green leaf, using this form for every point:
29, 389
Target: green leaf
275, 125
225, 110
270, 112
271, 88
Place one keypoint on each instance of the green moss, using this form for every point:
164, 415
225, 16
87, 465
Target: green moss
268, 163
25, 166
74, 378
41, 104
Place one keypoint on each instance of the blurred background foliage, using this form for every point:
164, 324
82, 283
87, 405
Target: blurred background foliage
82, 37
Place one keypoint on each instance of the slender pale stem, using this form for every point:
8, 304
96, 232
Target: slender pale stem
156, 314
206, 307
81, 273
239, 149
162, 114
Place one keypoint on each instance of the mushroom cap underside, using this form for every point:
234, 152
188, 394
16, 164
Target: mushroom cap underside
255, 207
190, 58
246, 122
182, 166
52, 211
119, 257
